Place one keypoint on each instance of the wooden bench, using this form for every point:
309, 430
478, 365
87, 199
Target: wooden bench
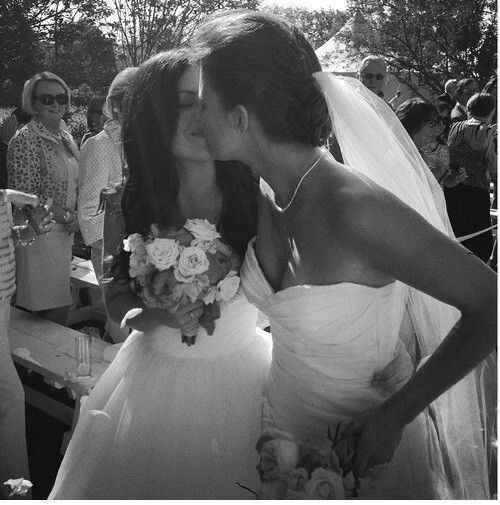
52, 350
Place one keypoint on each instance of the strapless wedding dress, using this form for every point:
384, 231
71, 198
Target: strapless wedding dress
336, 353
167, 421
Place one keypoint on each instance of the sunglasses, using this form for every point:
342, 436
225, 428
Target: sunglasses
46, 99
379, 77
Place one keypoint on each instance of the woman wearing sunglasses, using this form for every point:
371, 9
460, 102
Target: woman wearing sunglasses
43, 159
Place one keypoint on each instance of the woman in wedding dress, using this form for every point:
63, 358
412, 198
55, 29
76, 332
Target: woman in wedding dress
342, 254
168, 421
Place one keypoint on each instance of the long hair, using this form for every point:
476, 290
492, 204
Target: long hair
266, 64
151, 113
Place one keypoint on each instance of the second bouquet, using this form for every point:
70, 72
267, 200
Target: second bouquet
173, 267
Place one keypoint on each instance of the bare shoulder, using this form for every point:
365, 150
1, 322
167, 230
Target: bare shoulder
349, 201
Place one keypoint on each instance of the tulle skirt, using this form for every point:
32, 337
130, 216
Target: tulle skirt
160, 426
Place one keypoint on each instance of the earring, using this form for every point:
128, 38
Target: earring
240, 130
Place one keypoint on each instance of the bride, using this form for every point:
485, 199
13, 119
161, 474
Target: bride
343, 254
168, 421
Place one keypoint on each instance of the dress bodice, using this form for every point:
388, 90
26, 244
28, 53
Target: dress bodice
233, 330
353, 326
330, 343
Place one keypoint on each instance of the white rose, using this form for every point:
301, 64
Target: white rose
324, 485
163, 253
202, 244
192, 261
228, 286
202, 229
183, 278
132, 242
211, 295
138, 265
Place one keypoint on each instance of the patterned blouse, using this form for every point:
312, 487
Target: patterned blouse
437, 158
37, 162
470, 143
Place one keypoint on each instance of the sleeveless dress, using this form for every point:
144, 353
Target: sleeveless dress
336, 353
167, 421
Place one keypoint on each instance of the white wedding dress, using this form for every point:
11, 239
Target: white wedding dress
336, 353
167, 421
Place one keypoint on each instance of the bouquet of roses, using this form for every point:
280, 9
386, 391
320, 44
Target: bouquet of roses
174, 267
307, 471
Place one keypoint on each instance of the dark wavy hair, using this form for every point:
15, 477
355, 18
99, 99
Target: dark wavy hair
481, 105
414, 113
266, 64
151, 112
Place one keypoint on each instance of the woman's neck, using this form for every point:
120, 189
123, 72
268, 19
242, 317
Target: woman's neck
52, 126
199, 194
283, 165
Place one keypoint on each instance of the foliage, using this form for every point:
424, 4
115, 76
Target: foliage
20, 54
148, 26
35, 35
76, 120
434, 40
318, 26
85, 55
81, 96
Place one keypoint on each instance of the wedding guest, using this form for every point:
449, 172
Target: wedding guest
14, 456
42, 159
372, 73
447, 101
472, 146
95, 117
465, 89
342, 252
424, 125
8, 128
102, 164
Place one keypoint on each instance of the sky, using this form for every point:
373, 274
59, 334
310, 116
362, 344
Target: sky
309, 4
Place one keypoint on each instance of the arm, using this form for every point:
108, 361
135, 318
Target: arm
397, 241
23, 169
93, 176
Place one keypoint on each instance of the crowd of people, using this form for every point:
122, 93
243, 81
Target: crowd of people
188, 135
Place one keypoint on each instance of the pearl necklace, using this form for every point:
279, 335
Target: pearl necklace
287, 206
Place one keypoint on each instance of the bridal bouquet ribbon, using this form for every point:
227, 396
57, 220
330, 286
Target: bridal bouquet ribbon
318, 470
174, 267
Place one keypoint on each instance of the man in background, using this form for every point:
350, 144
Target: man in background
372, 74
447, 101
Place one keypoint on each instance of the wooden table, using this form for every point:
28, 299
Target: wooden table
83, 278
52, 351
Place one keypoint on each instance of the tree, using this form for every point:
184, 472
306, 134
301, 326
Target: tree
433, 40
317, 26
85, 55
20, 55
148, 26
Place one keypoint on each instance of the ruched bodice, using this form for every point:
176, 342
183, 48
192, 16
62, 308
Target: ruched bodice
337, 353
234, 330
343, 332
